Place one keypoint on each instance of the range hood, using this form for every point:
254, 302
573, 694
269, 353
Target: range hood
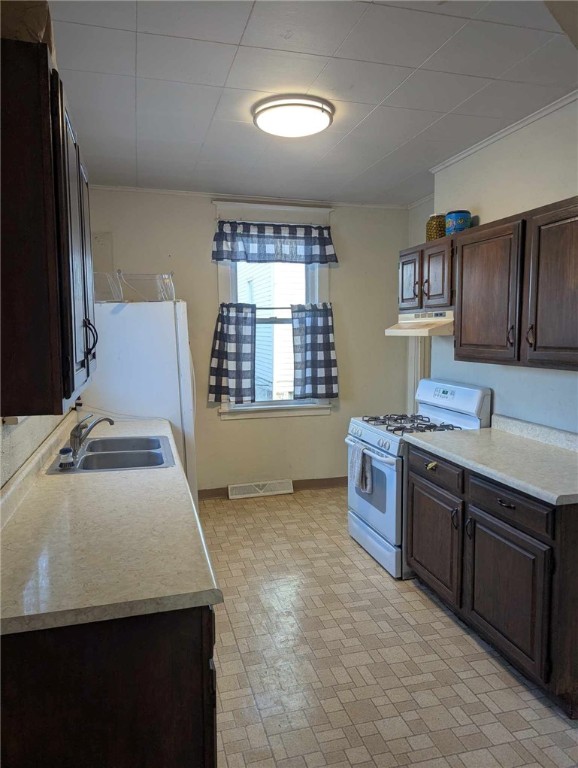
439, 323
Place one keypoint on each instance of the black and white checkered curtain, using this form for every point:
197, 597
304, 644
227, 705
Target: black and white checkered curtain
314, 351
232, 372
246, 241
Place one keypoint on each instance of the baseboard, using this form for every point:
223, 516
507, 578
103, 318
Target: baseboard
298, 485
320, 482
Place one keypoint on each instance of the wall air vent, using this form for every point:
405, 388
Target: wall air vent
268, 488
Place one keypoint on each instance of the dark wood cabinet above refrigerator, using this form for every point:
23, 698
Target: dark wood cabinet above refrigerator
48, 334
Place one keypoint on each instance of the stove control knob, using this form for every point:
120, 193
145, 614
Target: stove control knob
379, 443
386, 445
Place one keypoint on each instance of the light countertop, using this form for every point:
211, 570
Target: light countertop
105, 545
544, 471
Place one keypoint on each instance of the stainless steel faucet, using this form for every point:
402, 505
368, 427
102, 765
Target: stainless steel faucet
81, 431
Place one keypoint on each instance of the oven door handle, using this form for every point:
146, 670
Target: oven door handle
369, 452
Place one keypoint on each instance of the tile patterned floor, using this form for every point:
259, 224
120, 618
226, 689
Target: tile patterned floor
324, 660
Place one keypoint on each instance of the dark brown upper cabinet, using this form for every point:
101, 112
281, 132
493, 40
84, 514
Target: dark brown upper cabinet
550, 324
410, 279
48, 334
488, 263
425, 274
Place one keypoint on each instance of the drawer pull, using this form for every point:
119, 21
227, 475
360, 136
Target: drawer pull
431, 466
454, 514
506, 504
469, 523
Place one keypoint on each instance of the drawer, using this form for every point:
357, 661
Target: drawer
437, 471
528, 515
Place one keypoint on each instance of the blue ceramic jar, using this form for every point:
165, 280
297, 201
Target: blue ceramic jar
457, 221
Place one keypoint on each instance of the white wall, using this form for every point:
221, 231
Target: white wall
161, 232
534, 166
418, 215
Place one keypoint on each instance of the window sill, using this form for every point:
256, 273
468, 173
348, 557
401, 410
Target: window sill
273, 411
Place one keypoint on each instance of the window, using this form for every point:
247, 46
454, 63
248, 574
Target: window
273, 287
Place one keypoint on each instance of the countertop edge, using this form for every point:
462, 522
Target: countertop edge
494, 474
74, 616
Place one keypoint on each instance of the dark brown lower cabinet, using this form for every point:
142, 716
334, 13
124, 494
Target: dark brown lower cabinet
434, 537
507, 586
507, 566
138, 691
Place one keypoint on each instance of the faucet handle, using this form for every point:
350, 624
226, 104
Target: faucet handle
81, 424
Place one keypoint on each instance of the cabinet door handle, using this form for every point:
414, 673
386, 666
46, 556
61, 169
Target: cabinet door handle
510, 337
423, 285
88, 324
506, 504
469, 523
454, 514
530, 336
431, 466
415, 291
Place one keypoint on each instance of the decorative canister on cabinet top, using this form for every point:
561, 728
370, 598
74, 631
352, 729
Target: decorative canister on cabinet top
457, 221
435, 227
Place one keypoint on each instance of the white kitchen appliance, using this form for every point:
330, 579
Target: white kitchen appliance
375, 519
144, 369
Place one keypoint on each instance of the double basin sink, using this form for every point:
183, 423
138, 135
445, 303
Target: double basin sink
106, 454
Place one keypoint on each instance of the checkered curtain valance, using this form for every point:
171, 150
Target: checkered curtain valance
232, 371
314, 351
246, 241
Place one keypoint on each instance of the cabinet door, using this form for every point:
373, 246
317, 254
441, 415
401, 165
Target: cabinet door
70, 246
410, 279
437, 275
488, 294
551, 329
88, 272
507, 589
434, 537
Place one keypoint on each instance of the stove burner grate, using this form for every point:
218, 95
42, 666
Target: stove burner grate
403, 423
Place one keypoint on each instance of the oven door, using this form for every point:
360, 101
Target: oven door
380, 509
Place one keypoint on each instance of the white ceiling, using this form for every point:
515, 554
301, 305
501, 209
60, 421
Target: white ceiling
161, 91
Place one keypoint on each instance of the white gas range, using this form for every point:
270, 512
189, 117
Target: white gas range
375, 519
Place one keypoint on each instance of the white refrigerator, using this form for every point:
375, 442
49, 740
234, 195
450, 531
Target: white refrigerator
144, 369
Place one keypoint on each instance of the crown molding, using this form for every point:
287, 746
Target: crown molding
274, 202
422, 200
553, 107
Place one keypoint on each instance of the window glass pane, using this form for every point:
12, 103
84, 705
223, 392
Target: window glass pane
274, 287
271, 285
274, 362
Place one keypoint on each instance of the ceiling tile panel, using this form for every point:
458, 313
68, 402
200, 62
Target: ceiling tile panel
99, 13
467, 9
274, 71
95, 49
305, 27
554, 64
102, 108
389, 127
178, 111
462, 131
435, 90
485, 49
182, 60
521, 13
218, 22
359, 81
511, 100
398, 36
166, 165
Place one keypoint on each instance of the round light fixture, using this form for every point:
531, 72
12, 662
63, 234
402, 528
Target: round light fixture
293, 116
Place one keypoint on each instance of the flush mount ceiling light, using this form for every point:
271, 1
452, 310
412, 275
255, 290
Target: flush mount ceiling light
293, 116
